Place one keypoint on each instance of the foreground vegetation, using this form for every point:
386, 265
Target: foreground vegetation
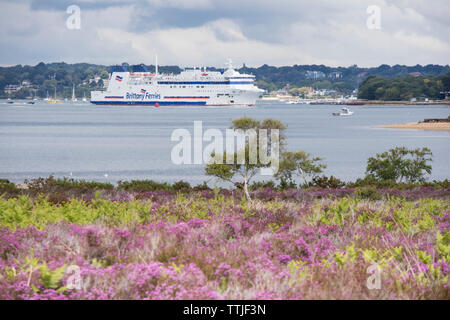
189, 243
385, 236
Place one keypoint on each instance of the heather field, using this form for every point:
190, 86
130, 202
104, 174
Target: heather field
212, 244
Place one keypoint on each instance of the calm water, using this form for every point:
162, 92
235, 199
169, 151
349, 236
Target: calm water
111, 143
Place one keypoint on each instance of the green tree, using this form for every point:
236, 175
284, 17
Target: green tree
240, 173
379, 93
400, 164
299, 91
300, 164
377, 88
392, 94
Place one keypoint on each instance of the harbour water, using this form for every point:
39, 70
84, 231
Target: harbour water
111, 143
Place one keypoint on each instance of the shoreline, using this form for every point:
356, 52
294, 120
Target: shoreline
418, 126
398, 103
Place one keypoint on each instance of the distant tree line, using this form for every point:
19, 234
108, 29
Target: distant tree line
273, 78
395, 89
45, 77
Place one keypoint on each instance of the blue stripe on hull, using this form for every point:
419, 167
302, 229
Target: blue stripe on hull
152, 103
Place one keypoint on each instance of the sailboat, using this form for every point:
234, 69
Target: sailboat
73, 93
84, 97
32, 98
54, 101
10, 101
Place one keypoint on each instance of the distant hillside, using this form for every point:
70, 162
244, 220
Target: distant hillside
341, 79
43, 78
395, 89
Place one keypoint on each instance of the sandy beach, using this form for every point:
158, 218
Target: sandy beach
420, 126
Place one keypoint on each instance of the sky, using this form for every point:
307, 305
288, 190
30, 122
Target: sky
207, 32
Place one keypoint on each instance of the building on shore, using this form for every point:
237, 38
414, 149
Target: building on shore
11, 88
335, 75
314, 75
419, 99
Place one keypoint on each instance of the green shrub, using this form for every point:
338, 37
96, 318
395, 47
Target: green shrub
8, 187
368, 192
443, 184
262, 184
201, 187
143, 185
391, 184
181, 186
50, 184
24, 211
84, 185
400, 164
372, 182
326, 182
284, 184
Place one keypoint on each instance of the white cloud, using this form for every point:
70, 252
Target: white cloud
427, 43
186, 4
254, 32
210, 44
226, 30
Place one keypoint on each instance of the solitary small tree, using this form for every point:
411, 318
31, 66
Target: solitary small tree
400, 164
300, 164
241, 170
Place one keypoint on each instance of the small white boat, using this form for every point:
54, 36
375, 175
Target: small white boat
345, 112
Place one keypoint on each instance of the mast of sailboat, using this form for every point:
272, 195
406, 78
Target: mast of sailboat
54, 78
73, 92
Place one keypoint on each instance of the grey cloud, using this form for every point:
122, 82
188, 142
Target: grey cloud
327, 30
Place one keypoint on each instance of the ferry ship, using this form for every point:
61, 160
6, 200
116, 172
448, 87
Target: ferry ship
191, 87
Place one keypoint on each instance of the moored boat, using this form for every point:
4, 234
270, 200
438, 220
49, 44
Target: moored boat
345, 112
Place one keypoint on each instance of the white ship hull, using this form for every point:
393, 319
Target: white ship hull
191, 87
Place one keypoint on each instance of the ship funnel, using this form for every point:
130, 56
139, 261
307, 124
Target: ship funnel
139, 68
118, 69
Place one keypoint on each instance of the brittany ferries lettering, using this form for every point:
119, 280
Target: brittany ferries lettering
141, 96
190, 87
